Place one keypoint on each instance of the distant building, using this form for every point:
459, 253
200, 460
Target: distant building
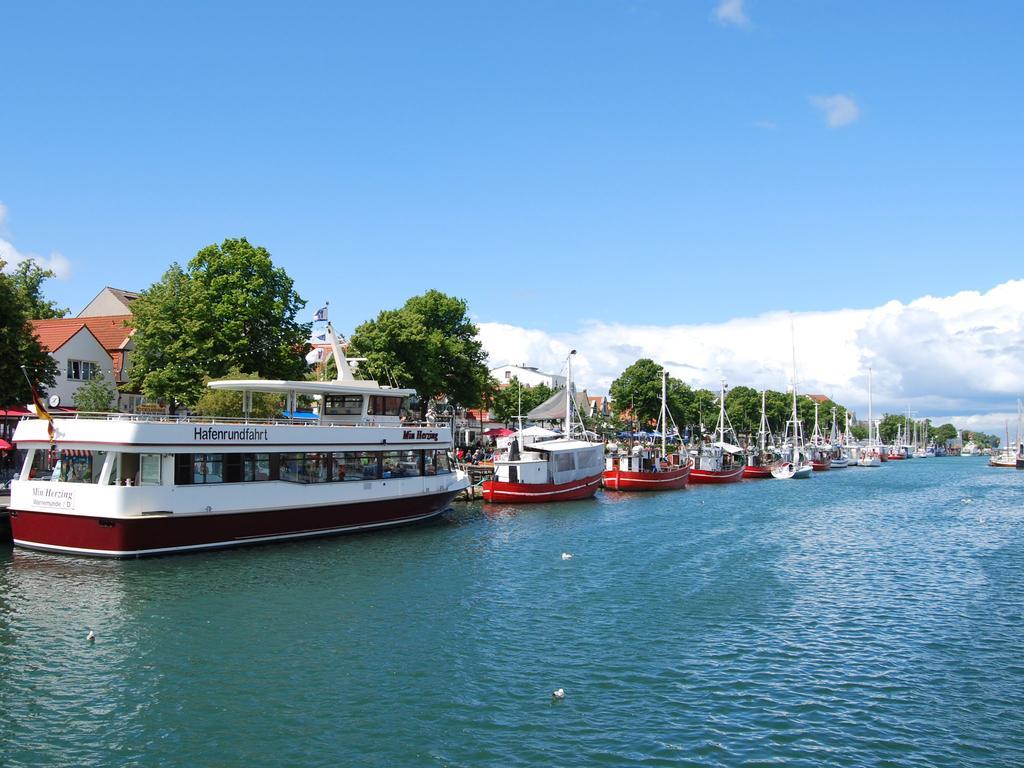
528, 376
110, 302
819, 398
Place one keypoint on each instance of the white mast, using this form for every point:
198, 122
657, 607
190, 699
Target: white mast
664, 417
762, 433
721, 414
568, 395
871, 419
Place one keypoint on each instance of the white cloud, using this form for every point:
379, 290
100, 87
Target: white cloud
731, 13
960, 354
56, 261
839, 109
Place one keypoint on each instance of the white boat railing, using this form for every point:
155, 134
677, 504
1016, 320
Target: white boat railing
156, 418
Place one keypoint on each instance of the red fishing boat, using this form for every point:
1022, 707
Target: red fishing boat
643, 468
719, 461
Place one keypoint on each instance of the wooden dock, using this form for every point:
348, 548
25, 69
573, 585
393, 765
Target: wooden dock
477, 474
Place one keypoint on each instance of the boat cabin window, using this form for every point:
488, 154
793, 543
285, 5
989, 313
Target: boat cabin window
149, 469
207, 468
563, 462
381, 405
76, 466
356, 465
436, 463
402, 463
343, 405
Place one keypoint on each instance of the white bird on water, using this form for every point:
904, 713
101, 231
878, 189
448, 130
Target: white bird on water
91, 637
559, 694
567, 555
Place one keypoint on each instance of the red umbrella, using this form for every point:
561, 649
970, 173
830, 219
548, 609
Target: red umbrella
4, 445
499, 432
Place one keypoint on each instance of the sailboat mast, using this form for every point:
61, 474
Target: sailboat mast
871, 416
721, 414
764, 422
664, 417
568, 395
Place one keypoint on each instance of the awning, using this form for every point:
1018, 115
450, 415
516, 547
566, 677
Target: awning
4, 445
729, 448
74, 452
499, 432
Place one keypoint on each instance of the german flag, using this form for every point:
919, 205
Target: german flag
41, 411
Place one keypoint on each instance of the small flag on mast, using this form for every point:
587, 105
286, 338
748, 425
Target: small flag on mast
321, 315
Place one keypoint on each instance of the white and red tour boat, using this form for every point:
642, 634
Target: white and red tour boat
125, 485
718, 461
643, 468
539, 468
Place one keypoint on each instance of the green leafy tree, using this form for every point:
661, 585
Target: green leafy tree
19, 346
504, 402
96, 395
172, 347
636, 396
225, 402
429, 344
890, 427
230, 309
859, 432
743, 404
943, 432
28, 278
704, 412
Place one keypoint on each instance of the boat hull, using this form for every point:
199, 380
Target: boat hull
168, 533
839, 463
757, 472
618, 480
712, 476
821, 466
498, 491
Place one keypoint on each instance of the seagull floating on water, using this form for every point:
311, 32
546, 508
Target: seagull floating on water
559, 694
566, 556
91, 637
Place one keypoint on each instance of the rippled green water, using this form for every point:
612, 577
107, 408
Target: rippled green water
865, 617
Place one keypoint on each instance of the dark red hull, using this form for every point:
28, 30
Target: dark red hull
710, 476
821, 466
757, 472
161, 534
895, 457
618, 480
538, 493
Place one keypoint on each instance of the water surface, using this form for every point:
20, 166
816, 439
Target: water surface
864, 617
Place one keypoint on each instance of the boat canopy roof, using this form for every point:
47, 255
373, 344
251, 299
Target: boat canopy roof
351, 387
729, 448
537, 432
555, 446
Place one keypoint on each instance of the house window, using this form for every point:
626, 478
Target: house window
82, 370
508, 374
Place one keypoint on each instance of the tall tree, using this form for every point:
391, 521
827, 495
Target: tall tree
28, 278
19, 346
637, 393
429, 344
231, 309
505, 401
250, 307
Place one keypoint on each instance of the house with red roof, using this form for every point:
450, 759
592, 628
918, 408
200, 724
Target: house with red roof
86, 348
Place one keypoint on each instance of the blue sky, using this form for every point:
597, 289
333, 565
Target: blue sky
552, 163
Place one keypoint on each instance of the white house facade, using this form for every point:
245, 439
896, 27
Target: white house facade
528, 376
